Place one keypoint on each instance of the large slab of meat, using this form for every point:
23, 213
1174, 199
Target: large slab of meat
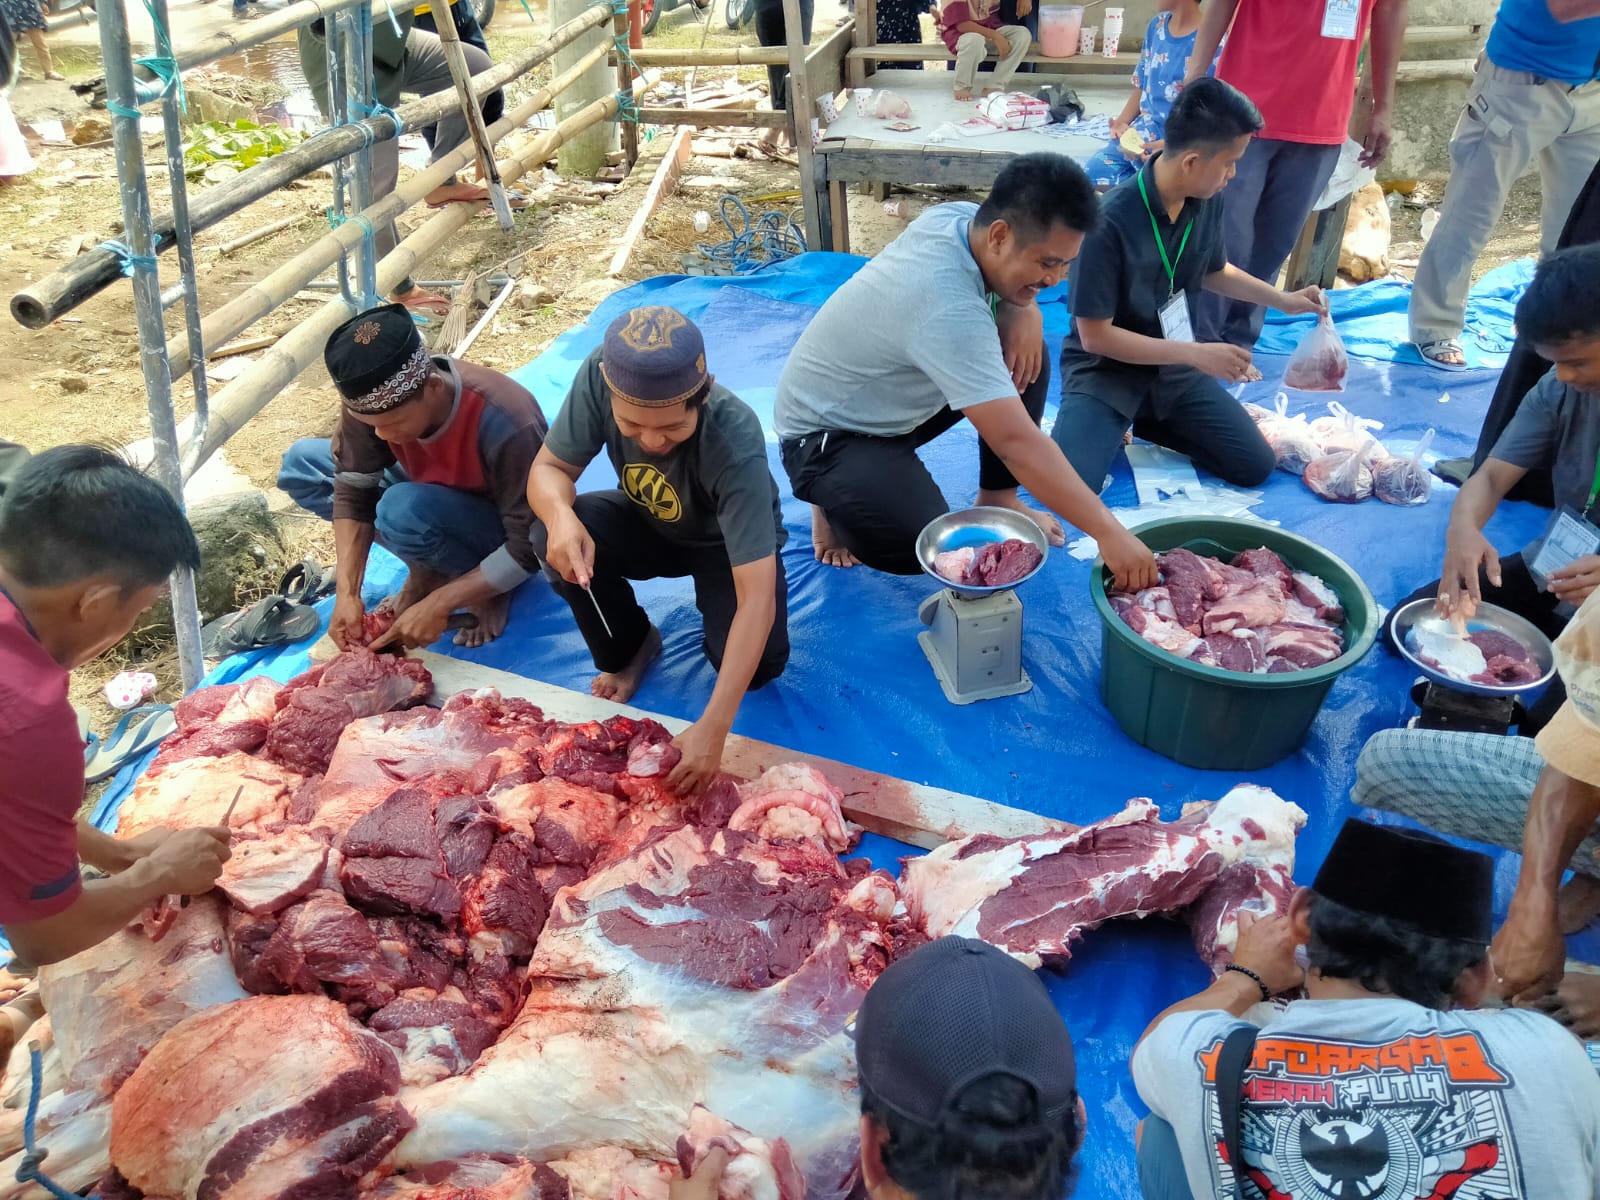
1488, 657
1035, 897
1254, 615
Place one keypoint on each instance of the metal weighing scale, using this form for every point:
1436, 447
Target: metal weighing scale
1450, 703
974, 635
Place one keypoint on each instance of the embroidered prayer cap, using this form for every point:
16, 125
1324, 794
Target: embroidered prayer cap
1571, 741
654, 357
377, 359
1410, 877
953, 1012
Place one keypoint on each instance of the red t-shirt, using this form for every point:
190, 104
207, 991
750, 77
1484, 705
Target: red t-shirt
41, 777
957, 13
1303, 83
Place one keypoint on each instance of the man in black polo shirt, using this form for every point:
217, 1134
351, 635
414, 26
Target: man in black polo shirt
1131, 358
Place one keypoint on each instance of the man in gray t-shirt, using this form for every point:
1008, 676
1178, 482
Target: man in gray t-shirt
696, 499
944, 324
1556, 429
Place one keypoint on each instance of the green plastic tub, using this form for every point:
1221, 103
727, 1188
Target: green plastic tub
1210, 718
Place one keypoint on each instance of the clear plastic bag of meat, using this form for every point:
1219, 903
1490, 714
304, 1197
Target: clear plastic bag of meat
1404, 480
1290, 437
890, 106
1319, 363
1341, 429
1341, 476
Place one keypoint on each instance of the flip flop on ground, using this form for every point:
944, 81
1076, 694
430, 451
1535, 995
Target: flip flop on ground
306, 582
274, 621
140, 730
480, 195
1445, 354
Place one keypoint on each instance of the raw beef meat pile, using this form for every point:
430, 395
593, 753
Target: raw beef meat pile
1254, 616
1489, 657
993, 565
470, 953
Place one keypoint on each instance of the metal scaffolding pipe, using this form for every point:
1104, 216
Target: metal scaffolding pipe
265, 294
94, 270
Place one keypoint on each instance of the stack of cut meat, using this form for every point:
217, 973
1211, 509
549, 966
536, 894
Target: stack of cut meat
474, 954
1253, 616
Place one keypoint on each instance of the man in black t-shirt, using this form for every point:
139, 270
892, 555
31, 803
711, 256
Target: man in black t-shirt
697, 499
1131, 358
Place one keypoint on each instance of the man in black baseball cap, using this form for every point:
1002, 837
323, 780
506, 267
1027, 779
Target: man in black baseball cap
431, 460
968, 1082
696, 498
1387, 1080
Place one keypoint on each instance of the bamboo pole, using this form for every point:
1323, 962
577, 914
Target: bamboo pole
264, 295
729, 56
256, 235
94, 270
711, 118
272, 25
303, 345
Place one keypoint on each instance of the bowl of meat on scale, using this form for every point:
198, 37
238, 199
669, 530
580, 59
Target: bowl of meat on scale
1225, 664
1495, 653
982, 550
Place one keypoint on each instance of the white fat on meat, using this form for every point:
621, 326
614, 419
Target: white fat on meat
793, 800
1438, 641
199, 791
263, 875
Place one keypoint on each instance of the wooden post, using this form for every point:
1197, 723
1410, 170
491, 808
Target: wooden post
630, 129
864, 37
1316, 254
802, 109
665, 181
582, 156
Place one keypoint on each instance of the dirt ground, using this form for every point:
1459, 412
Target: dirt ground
79, 378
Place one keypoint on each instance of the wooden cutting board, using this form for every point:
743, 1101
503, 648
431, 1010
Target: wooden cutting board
910, 812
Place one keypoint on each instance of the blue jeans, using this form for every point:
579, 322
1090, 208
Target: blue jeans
1161, 1173
440, 529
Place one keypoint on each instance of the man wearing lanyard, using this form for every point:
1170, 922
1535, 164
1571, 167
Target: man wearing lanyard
1132, 358
1557, 428
1535, 97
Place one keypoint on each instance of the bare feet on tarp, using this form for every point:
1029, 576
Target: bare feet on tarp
417, 585
1576, 1004
1053, 532
1578, 903
492, 615
963, 93
1252, 374
825, 544
621, 685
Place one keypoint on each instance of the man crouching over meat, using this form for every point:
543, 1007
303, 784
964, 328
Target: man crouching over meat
86, 544
696, 499
430, 460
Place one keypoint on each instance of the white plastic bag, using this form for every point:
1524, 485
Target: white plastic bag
1319, 362
1341, 429
1015, 110
1342, 476
1348, 177
890, 106
1405, 480
1290, 437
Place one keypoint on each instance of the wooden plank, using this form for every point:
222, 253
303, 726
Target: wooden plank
910, 812
825, 63
248, 346
1316, 255
865, 34
1443, 70
839, 215
712, 118
969, 168
630, 129
802, 108
1079, 64
666, 178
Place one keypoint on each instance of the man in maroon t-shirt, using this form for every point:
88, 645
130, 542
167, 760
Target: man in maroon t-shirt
86, 544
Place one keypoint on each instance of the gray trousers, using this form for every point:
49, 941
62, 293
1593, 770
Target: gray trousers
1264, 207
973, 48
1510, 120
425, 73
1467, 785
1198, 418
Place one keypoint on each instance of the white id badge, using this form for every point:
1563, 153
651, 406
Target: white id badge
1174, 316
1340, 19
1566, 537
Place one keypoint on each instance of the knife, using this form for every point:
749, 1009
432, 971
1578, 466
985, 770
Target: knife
456, 621
599, 612
233, 804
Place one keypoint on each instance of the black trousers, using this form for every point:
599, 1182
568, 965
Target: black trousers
770, 32
470, 32
1198, 418
1519, 594
1525, 367
627, 546
875, 490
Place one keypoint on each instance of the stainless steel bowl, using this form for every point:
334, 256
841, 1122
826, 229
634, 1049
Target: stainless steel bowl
977, 527
1488, 616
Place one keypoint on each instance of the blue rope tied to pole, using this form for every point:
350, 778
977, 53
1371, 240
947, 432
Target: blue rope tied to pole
131, 262
164, 66
122, 110
30, 1170
368, 236
769, 238
627, 110
376, 109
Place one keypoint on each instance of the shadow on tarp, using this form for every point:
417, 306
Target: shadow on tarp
858, 688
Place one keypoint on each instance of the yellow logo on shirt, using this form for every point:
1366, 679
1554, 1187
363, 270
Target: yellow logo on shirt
648, 488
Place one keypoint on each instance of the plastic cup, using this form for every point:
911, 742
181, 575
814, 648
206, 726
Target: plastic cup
1087, 38
863, 99
1059, 25
702, 221
1108, 48
1113, 32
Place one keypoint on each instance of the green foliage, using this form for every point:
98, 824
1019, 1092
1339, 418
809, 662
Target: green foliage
219, 149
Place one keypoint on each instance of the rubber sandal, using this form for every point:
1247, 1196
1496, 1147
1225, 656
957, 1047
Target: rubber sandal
270, 622
1431, 350
306, 582
140, 730
1453, 470
427, 307
514, 199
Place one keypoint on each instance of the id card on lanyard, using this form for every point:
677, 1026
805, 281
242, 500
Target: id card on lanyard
1568, 536
1341, 19
1174, 314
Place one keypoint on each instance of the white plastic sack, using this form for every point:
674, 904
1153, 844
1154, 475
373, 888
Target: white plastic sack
1015, 110
1348, 177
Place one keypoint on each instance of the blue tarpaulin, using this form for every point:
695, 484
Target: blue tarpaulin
858, 688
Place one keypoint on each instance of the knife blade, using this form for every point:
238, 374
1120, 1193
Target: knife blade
233, 804
598, 611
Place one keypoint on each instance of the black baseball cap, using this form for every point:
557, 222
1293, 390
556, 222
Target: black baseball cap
1411, 877
953, 1012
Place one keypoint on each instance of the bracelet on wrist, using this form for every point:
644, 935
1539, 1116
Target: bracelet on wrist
1266, 992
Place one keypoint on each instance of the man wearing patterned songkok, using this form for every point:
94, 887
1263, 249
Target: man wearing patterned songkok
696, 499
430, 460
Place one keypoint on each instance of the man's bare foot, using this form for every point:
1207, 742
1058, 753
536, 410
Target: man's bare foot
1576, 1003
417, 585
1252, 374
1051, 527
825, 544
621, 685
963, 93
492, 615
1578, 903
